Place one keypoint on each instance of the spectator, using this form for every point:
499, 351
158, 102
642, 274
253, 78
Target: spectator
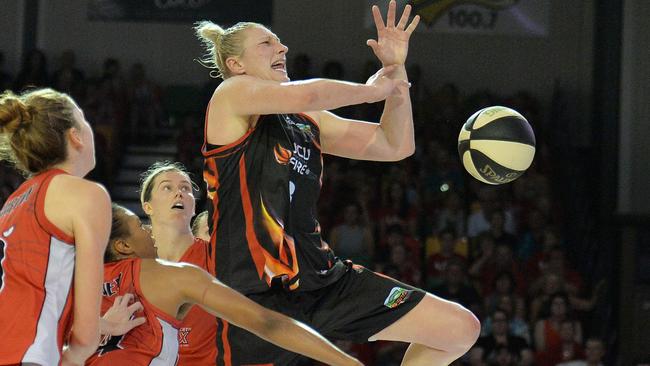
444, 254
352, 239
452, 215
548, 330
5, 78
301, 67
146, 111
478, 220
67, 78
487, 267
594, 354
500, 336
504, 356
455, 287
497, 230
568, 349
33, 72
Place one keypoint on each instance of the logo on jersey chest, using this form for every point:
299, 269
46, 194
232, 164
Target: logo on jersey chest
112, 287
183, 334
303, 128
298, 159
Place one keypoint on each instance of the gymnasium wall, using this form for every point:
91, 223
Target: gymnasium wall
335, 30
634, 151
11, 35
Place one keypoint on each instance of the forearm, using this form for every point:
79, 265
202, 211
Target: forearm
272, 326
397, 119
76, 352
326, 94
297, 337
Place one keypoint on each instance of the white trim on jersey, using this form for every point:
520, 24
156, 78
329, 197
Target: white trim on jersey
168, 355
58, 282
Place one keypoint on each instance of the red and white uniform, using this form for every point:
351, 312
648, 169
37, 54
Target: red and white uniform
153, 343
36, 272
198, 332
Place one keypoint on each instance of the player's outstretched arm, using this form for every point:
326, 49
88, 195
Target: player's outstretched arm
218, 299
393, 139
247, 95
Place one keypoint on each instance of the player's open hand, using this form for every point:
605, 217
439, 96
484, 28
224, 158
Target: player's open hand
392, 43
119, 319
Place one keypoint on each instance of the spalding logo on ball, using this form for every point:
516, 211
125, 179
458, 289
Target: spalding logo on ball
496, 145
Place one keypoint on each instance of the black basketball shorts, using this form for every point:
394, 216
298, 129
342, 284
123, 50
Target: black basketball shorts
357, 306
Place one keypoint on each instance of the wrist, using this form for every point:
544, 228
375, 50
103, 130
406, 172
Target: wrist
105, 327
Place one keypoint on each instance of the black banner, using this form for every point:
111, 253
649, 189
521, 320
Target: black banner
225, 12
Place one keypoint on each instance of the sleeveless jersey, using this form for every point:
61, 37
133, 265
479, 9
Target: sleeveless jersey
198, 331
36, 273
264, 189
152, 343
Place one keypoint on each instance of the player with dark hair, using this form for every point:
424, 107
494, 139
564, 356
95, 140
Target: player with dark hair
169, 290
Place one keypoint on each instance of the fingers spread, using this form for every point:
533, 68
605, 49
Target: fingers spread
413, 24
405, 17
390, 18
376, 15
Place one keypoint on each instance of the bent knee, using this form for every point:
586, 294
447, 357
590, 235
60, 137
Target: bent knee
469, 329
465, 330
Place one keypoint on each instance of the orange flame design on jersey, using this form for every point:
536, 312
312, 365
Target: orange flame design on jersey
282, 155
287, 263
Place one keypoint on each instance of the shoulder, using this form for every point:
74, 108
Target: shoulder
235, 83
176, 269
77, 187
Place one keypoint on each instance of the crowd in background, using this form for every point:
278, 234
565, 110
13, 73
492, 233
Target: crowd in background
504, 252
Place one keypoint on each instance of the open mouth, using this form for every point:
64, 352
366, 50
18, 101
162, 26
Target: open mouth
279, 65
178, 206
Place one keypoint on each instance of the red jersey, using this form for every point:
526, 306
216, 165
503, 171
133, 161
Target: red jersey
198, 331
36, 273
152, 343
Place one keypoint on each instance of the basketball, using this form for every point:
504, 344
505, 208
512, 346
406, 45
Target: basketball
496, 145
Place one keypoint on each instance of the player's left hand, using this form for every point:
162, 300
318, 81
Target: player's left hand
118, 319
391, 46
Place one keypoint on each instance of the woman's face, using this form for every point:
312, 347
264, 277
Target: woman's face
558, 306
172, 198
140, 237
87, 140
264, 56
503, 285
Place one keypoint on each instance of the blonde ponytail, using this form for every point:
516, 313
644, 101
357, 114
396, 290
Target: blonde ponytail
220, 44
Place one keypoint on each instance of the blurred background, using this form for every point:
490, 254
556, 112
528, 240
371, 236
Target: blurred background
556, 264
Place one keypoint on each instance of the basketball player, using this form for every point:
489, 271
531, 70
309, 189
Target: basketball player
53, 231
264, 140
166, 195
200, 227
168, 291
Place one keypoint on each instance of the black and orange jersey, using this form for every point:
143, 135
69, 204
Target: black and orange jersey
197, 332
153, 343
264, 188
36, 274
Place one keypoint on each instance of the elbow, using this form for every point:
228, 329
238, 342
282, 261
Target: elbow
85, 344
404, 153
